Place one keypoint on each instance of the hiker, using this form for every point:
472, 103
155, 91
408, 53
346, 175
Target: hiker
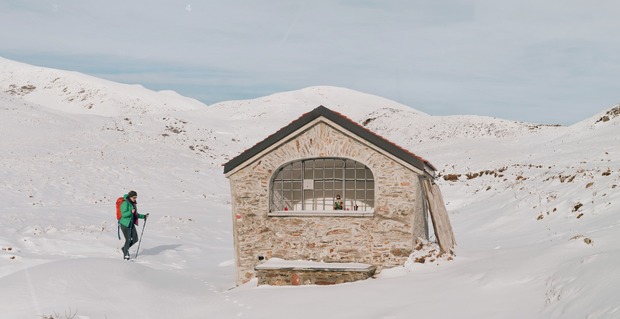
129, 218
338, 204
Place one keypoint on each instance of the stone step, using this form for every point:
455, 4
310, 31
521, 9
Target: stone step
280, 272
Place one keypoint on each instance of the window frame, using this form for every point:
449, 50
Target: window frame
316, 181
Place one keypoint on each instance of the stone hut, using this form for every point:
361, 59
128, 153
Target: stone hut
325, 189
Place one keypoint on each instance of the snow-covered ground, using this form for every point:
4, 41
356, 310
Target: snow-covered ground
535, 208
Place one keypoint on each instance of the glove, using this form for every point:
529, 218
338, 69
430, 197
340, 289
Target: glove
146, 216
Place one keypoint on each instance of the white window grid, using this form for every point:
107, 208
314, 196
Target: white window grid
312, 185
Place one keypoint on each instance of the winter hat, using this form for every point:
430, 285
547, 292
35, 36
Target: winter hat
132, 194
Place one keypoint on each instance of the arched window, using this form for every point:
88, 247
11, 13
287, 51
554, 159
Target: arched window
322, 184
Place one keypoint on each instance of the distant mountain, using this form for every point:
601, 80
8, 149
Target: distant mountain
74, 92
292, 104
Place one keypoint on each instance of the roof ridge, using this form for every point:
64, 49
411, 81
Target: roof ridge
339, 119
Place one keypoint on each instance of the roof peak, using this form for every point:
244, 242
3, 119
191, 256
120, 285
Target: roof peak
341, 120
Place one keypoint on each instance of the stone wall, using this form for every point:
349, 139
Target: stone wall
296, 277
386, 239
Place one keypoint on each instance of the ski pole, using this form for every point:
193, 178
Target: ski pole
140, 240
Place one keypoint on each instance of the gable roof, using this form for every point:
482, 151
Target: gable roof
340, 120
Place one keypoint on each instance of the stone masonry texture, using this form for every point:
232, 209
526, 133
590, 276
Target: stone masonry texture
385, 239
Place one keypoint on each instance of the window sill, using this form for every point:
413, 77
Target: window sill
320, 213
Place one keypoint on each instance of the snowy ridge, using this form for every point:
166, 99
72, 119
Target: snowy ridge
602, 119
411, 128
294, 103
74, 92
534, 209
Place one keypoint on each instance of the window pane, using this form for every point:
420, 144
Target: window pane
349, 196
329, 196
369, 175
370, 204
338, 186
318, 173
297, 174
351, 163
309, 200
288, 196
278, 175
286, 174
322, 204
339, 163
329, 185
328, 163
328, 173
360, 194
277, 185
370, 194
297, 196
349, 173
352, 185
338, 173
318, 163
360, 173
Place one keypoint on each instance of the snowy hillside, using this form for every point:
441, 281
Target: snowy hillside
74, 92
535, 208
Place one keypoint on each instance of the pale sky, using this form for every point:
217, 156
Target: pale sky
544, 61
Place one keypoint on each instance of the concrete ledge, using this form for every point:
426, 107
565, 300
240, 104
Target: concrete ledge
279, 272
